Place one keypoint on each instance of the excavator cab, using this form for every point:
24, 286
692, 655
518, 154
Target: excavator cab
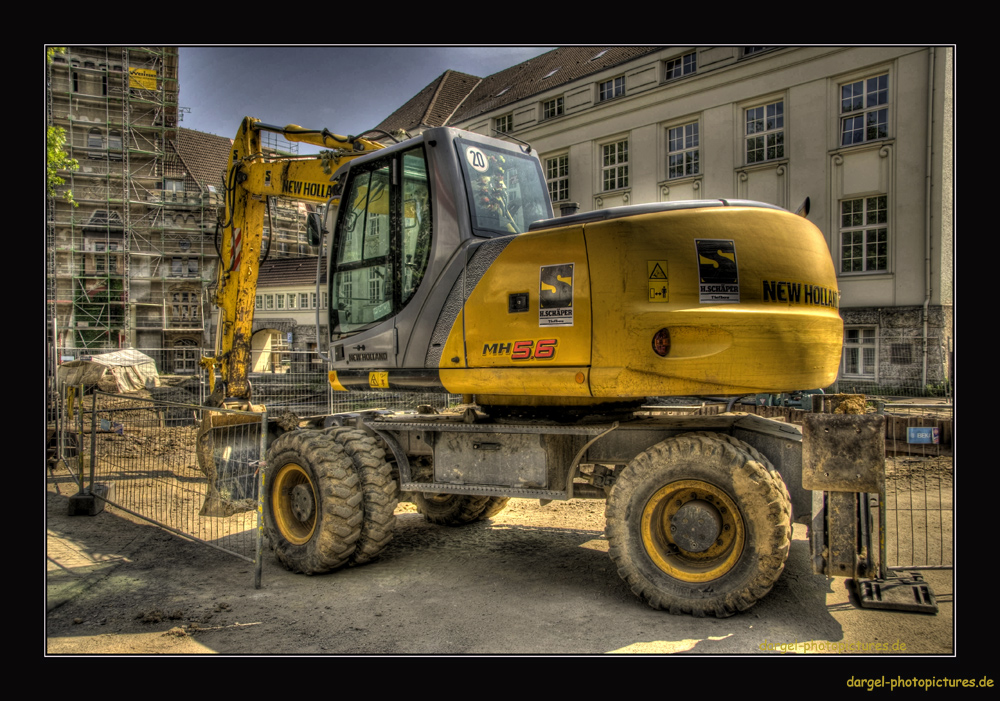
402, 235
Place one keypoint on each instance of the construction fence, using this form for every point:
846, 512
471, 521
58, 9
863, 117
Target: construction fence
143, 450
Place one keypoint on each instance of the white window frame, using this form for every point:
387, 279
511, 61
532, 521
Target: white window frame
765, 121
258, 302
504, 123
279, 300
686, 146
864, 109
291, 300
864, 235
680, 66
303, 300
614, 165
557, 177
860, 356
269, 301
556, 107
611, 88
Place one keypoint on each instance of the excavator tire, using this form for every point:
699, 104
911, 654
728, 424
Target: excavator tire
494, 506
314, 502
450, 509
699, 524
380, 491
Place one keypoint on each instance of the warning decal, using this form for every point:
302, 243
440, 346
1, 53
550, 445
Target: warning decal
657, 274
555, 295
718, 273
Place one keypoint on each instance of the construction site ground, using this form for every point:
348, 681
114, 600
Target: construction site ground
534, 580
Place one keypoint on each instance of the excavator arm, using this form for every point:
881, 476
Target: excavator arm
252, 178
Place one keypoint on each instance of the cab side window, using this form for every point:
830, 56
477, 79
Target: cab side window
383, 241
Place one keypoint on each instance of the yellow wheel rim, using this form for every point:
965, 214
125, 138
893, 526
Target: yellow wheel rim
290, 495
662, 526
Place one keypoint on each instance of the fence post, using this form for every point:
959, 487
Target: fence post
261, 467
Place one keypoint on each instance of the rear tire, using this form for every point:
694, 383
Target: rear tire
313, 502
699, 524
450, 509
494, 505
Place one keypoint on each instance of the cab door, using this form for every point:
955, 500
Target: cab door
379, 256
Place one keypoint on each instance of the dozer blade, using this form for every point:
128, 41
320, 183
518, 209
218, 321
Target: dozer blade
229, 451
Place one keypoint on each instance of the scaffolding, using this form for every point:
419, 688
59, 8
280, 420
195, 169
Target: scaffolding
129, 265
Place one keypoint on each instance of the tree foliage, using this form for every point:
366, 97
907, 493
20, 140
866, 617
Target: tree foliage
55, 141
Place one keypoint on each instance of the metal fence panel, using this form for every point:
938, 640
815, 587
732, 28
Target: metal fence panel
144, 453
919, 485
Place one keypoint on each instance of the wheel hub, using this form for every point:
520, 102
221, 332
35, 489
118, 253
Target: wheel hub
302, 502
696, 526
692, 531
293, 503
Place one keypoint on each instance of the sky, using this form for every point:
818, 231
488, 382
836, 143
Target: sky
346, 89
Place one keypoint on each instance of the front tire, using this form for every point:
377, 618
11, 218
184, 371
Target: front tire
313, 508
380, 491
699, 524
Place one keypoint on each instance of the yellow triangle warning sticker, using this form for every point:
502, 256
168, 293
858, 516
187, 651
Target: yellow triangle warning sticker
657, 269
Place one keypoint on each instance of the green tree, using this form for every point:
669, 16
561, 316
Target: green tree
55, 140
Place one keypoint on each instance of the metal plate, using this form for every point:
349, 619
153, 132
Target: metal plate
843, 452
909, 593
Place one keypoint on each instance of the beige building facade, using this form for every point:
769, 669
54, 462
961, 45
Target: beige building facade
865, 133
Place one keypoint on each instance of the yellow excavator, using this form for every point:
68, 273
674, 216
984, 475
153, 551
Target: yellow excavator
447, 271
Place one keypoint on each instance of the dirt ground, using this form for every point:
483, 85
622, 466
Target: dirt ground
535, 580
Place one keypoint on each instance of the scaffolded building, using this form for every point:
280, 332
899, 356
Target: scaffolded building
131, 264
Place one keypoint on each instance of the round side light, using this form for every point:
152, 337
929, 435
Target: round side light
661, 342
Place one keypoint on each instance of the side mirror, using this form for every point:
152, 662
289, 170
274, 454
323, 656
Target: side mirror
315, 228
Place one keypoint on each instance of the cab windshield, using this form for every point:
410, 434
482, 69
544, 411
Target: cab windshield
506, 189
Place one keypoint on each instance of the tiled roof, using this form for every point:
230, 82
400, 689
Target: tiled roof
283, 272
455, 97
532, 77
205, 155
433, 105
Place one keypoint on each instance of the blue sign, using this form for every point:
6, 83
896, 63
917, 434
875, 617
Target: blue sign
923, 435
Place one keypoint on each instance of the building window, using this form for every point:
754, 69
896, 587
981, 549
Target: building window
864, 235
682, 151
864, 114
754, 50
280, 301
258, 302
552, 108
268, 301
95, 139
614, 168
765, 132
612, 88
860, 351
681, 66
303, 300
312, 297
291, 300
504, 123
557, 177
374, 286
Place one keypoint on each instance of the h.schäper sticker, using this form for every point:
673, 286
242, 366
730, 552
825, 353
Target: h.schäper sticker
555, 295
718, 273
